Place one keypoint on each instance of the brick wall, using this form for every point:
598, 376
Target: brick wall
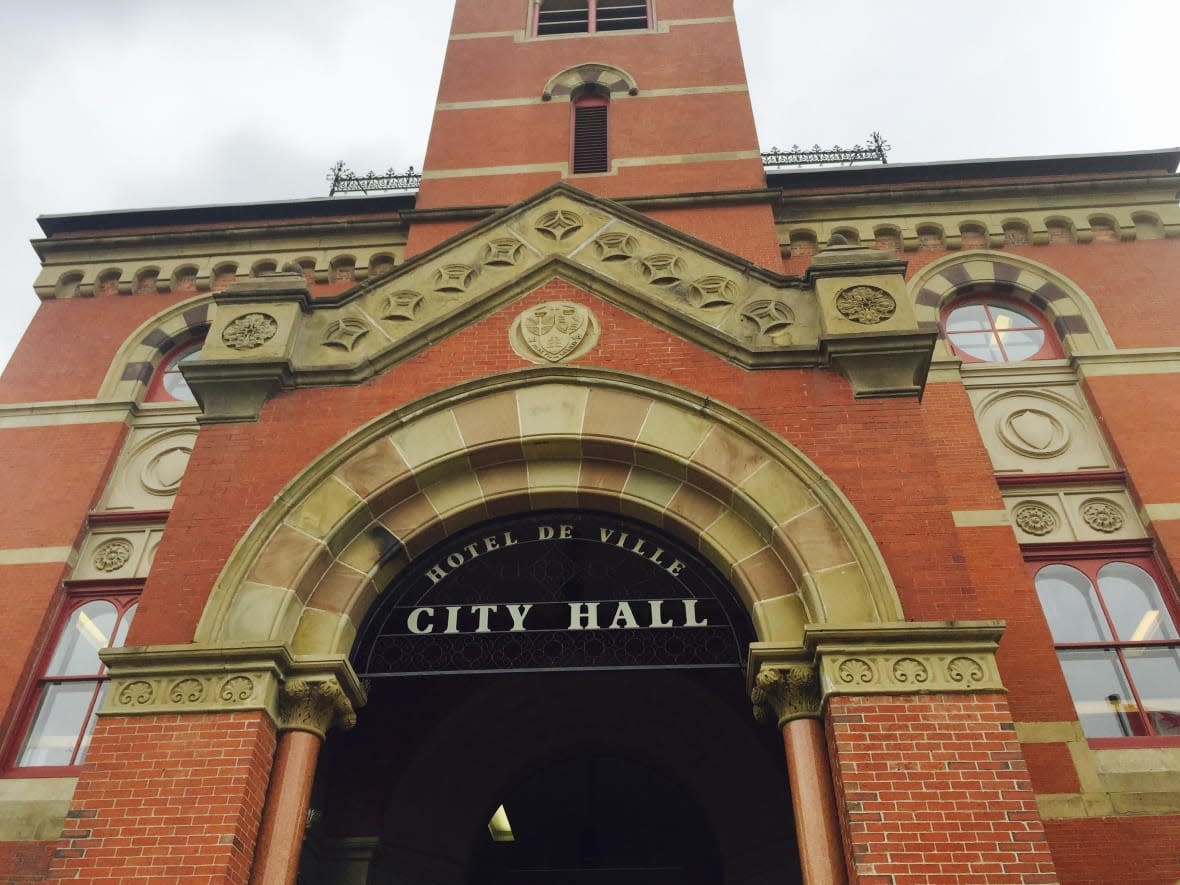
168, 799
935, 790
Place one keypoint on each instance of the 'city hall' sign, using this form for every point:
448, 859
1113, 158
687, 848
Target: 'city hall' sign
565, 590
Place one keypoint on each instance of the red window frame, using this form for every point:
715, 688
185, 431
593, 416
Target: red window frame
1138, 722
1050, 348
157, 392
594, 24
124, 598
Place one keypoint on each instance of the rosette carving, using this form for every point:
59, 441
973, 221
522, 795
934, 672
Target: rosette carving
249, 331
236, 689
782, 694
965, 671
1035, 519
866, 305
187, 691
1103, 516
112, 555
139, 693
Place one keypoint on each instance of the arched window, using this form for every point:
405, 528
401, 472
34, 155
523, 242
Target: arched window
72, 683
997, 330
591, 16
590, 151
168, 383
1117, 642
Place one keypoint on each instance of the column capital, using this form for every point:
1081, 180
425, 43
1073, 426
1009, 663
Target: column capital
315, 705
781, 694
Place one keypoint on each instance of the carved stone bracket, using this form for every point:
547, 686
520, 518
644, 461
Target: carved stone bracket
792, 682
314, 705
782, 694
309, 694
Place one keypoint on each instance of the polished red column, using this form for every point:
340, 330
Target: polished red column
817, 826
276, 860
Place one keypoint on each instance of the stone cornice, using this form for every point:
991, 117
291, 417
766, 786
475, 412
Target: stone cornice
790, 682
298, 693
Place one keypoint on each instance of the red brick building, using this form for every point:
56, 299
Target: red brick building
448, 536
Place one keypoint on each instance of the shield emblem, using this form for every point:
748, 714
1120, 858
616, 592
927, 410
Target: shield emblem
1038, 430
554, 330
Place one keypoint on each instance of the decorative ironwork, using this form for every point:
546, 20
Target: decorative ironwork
874, 152
555, 590
345, 181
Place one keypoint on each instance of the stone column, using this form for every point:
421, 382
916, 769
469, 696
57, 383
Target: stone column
307, 709
790, 696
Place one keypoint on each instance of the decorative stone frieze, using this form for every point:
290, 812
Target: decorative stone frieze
1075, 511
297, 693
781, 694
899, 658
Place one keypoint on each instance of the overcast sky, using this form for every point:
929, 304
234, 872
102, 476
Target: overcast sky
136, 103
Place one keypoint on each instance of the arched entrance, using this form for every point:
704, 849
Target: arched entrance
554, 697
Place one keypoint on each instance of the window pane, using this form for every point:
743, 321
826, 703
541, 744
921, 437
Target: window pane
124, 626
1156, 674
971, 318
56, 726
1007, 318
1104, 702
1022, 345
981, 345
89, 731
87, 630
173, 381
1070, 605
1134, 603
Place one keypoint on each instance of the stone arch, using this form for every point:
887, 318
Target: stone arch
614, 80
146, 347
783, 535
1063, 302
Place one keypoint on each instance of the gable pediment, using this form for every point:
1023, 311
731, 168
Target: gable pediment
271, 328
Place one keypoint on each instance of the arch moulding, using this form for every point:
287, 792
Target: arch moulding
780, 531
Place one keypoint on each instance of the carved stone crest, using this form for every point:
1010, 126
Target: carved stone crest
555, 329
1103, 516
1034, 518
249, 331
1035, 432
866, 305
112, 555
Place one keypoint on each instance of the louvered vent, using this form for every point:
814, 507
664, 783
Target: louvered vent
590, 139
621, 15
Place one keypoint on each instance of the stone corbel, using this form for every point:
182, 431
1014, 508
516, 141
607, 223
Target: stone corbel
868, 329
246, 357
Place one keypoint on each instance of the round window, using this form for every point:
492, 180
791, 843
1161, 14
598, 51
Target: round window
996, 332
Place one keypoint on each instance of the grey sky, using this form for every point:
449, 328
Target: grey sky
134, 103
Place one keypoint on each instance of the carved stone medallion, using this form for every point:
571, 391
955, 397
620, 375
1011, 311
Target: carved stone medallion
1035, 432
866, 305
112, 555
1035, 519
502, 252
559, 224
401, 305
453, 278
554, 330
345, 333
616, 246
713, 291
249, 331
771, 315
162, 474
663, 269
1103, 516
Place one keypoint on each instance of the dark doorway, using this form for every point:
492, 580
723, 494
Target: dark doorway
594, 820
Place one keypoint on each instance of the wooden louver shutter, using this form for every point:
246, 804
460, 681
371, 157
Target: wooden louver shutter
590, 153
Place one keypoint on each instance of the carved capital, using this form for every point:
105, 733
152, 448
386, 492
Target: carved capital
782, 694
314, 705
